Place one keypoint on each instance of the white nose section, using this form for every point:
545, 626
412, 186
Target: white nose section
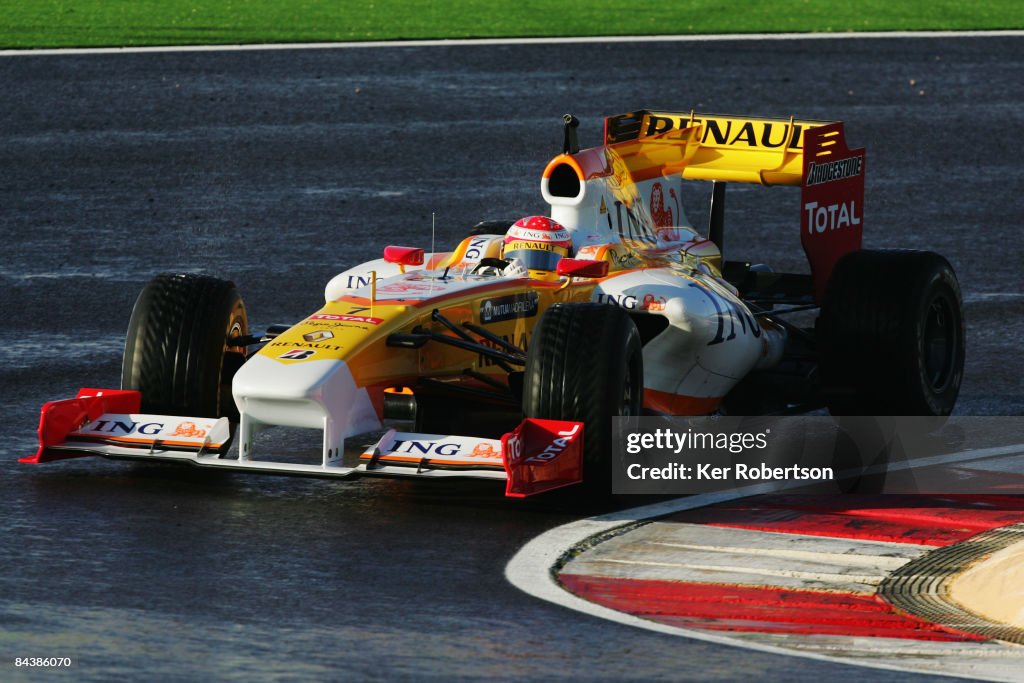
315, 394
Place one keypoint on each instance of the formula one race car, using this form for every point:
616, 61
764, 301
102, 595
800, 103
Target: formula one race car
510, 354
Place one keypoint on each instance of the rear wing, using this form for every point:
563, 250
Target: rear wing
807, 153
728, 148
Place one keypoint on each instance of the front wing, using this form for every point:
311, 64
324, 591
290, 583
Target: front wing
537, 456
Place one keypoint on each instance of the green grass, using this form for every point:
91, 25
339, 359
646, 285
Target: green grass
80, 23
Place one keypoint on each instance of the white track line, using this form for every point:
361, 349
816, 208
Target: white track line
531, 570
469, 42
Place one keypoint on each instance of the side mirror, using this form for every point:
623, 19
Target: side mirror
572, 267
404, 256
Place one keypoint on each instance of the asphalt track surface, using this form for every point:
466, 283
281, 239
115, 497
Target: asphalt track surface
277, 170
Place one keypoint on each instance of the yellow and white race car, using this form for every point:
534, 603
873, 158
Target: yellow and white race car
507, 357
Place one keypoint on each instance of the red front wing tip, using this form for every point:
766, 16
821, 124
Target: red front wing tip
542, 455
58, 419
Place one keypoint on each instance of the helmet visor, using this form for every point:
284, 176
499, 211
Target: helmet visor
536, 259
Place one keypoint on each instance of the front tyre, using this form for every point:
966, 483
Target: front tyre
177, 350
585, 364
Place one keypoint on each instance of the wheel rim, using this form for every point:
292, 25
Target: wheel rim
232, 358
940, 343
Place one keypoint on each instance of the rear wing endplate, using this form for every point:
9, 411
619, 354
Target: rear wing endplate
831, 201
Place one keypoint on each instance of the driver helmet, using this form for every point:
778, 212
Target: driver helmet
537, 244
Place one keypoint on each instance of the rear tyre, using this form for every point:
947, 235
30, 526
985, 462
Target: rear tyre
891, 335
177, 351
585, 364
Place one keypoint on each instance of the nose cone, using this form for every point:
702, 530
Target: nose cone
303, 394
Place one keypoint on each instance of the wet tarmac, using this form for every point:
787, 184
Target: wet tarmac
278, 170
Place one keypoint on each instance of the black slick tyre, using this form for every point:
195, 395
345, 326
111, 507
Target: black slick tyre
177, 350
585, 364
891, 335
